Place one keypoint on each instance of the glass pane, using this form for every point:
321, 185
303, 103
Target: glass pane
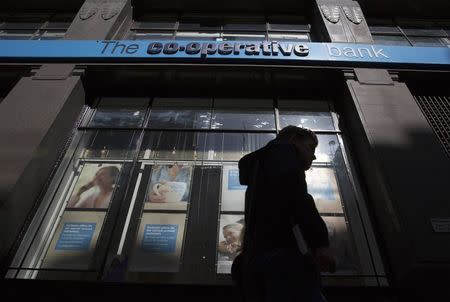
244, 36
159, 243
328, 149
185, 113
233, 193
390, 40
139, 35
192, 35
421, 28
288, 37
387, 29
341, 245
314, 115
382, 26
322, 185
243, 114
51, 35
17, 34
200, 23
156, 21
75, 240
245, 23
108, 144
120, 112
60, 21
229, 242
232, 146
289, 27
169, 187
288, 23
173, 145
426, 41
11, 25
95, 186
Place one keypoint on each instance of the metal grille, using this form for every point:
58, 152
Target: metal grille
437, 112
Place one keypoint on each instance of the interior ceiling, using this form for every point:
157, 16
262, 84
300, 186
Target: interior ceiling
371, 8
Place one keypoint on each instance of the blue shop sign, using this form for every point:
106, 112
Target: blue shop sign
277, 53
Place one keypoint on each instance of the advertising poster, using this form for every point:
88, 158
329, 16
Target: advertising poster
322, 185
233, 193
95, 186
74, 242
158, 243
229, 241
341, 245
169, 187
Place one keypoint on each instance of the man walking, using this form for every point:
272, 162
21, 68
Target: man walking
285, 243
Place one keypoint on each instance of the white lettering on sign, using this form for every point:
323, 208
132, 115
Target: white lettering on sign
356, 52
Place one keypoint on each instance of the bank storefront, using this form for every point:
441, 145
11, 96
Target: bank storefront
147, 189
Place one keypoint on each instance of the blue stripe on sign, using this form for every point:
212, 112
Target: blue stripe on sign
323, 54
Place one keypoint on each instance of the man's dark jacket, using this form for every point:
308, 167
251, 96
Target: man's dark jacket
277, 199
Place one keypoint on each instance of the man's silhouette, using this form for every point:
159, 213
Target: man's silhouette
271, 267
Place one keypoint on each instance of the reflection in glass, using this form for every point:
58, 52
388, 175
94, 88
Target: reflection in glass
144, 35
289, 37
341, 245
173, 145
233, 193
158, 243
95, 186
195, 35
426, 41
180, 113
17, 34
232, 146
322, 185
229, 243
119, 112
108, 144
390, 40
314, 115
243, 36
243, 114
169, 187
327, 149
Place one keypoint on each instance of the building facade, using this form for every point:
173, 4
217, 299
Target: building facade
122, 123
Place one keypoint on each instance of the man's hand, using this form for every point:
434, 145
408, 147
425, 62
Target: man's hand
324, 259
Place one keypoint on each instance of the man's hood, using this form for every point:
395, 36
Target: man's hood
247, 166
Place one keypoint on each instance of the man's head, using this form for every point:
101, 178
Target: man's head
304, 140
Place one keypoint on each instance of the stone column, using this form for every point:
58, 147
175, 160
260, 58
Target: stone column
404, 167
36, 119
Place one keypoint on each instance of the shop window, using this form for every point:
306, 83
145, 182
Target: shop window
35, 26
245, 114
291, 37
391, 40
408, 32
219, 27
182, 113
244, 36
197, 36
149, 192
427, 41
119, 113
310, 114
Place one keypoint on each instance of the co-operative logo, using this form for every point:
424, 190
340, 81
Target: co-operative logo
226, 48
